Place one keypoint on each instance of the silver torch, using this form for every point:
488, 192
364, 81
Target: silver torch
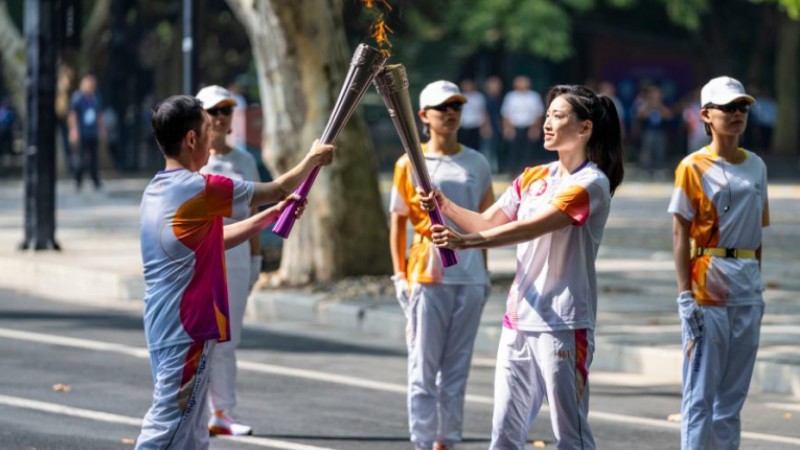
392, 84
364, 66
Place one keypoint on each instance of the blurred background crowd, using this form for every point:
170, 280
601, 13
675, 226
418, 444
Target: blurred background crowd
650, 57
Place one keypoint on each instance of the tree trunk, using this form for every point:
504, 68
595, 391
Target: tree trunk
301, 58
12, 50
787, 89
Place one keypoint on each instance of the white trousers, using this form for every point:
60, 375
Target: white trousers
717, 368
532, 366
222, 384
443, 322
178, 418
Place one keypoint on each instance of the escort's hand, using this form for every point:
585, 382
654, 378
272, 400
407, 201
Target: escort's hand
426, 201
255, 269
445, 237
321, 154
402, 291
691, 313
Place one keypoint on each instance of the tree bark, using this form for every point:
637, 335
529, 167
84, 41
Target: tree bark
787, 130
301, 57
12, 51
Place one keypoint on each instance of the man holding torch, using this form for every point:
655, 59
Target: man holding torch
443, 304
183, 238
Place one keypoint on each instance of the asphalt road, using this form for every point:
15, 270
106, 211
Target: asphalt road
75, 377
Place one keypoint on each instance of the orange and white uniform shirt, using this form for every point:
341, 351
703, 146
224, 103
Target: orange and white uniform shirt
555, 287
464, 178
727, 206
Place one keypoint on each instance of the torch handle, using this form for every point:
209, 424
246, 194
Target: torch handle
449, 257
286, 221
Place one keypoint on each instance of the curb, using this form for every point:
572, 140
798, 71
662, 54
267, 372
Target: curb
64, 282
382, 318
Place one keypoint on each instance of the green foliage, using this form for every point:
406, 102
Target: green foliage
687, 13
543, 27
621, 3
790, 7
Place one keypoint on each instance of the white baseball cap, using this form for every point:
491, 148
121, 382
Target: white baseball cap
215, 96
723, 90
439, 92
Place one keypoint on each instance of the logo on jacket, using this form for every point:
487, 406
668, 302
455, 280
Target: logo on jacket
538, 187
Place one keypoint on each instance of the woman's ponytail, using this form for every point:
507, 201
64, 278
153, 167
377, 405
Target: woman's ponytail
605, 145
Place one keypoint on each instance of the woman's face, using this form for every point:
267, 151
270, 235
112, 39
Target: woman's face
729, 121
443, 119
562, 129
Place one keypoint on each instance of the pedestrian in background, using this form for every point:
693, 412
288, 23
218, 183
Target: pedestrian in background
653, 115
183, 238
765, 116
473, 115
494, 151
556, 214
86, 131
696, 136
719, 206
522, 112
7, 119
443, 305
63, 86
242, 263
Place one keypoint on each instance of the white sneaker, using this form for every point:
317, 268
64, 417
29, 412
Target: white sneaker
222, 423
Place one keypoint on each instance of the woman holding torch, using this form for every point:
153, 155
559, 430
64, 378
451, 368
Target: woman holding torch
556, 214
443, 305
719, 205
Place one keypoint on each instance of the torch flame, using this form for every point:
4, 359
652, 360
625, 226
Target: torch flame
371, 4
380, 33
379, 30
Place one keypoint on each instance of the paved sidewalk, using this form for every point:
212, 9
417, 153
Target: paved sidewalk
638, 329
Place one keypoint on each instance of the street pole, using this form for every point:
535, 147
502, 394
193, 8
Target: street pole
188, 46
40, 155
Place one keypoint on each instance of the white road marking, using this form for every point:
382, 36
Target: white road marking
100, 416
348, 381
63, 410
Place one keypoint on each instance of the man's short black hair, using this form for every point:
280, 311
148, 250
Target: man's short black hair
172, 119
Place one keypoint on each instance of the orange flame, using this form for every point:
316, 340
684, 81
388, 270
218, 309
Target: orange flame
378, 29
371, 4
380, 33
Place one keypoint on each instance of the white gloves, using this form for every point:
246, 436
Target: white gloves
255, 269
402, 291
691, 313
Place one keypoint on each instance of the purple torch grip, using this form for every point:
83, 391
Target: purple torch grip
449, 257
288, 216
364, 66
